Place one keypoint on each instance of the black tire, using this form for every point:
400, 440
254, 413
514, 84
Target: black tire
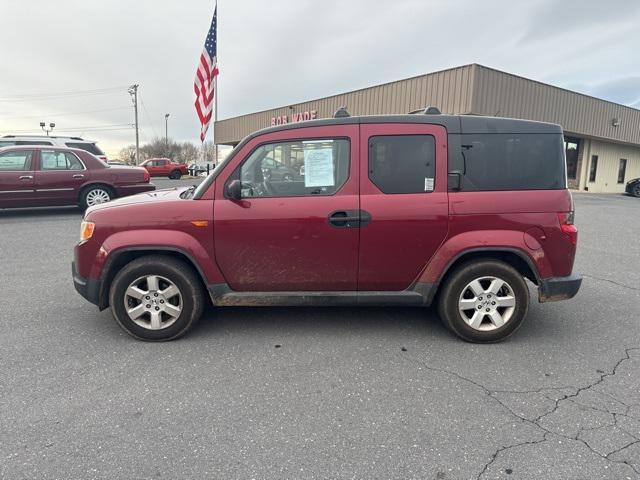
455, 285
636, 190
175, 175
183, 277
87, 191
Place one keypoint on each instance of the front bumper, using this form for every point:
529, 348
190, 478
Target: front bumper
89, 288
558, 288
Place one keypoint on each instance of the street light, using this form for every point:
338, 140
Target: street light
43, 126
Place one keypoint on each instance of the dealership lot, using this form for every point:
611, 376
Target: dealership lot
319, 393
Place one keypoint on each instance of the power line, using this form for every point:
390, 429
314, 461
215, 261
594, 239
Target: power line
144, 107
58, 95
65, 114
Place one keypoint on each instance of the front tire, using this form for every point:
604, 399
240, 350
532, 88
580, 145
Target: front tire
156, 298
636, 190
484, 301
95, 195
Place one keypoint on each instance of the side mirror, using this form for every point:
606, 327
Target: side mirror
454, 182
234, 190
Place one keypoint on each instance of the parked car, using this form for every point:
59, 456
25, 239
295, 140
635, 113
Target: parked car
163, 167
201, 169
408, 210
54, 141
278, 171
35, 176
117, 163
633, 187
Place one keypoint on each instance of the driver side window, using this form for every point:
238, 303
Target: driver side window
295, 169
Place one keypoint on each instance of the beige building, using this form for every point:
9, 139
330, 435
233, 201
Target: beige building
602, 138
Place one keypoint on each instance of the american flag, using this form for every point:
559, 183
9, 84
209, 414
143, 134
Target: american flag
204, 82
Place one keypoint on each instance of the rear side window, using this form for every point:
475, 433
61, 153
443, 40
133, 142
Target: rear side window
55, 160
87, 147
513, 162
402, 163
19, 160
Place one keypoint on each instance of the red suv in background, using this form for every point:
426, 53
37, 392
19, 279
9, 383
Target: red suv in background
36, 176
163, 167
391, 210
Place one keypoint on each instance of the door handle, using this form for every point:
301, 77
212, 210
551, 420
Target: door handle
78, 175
349, 218
26, 177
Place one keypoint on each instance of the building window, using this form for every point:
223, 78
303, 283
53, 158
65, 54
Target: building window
571, 148
594, 168
622, 170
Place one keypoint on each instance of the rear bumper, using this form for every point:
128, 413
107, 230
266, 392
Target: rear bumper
89, 288
124, 190
558, 288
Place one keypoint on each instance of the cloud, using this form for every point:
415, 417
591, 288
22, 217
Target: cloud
278, 53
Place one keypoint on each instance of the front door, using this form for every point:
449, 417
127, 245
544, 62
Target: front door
16, 178
403, 182
291, 234
59, 178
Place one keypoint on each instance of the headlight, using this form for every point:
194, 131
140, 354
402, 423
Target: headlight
86, 230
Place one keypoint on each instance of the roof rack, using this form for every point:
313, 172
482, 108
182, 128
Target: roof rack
427, 111
43, 136
341, 113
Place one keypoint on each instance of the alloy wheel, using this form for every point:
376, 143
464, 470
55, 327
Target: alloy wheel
487, 303
153, 302
97, 196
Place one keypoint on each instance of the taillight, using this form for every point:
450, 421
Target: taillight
146, 177
567, 226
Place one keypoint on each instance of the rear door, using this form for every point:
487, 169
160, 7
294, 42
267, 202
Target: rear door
59, 177
403, 188
16, 178
285, 235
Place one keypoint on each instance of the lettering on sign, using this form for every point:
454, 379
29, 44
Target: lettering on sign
294, 117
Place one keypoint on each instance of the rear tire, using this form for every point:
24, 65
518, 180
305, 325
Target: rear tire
484, 301
156, 298
95, 195
175, 175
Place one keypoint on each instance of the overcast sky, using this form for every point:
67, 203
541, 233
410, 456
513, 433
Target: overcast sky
278, 52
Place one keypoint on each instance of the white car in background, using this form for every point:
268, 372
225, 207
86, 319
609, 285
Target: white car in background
70, 142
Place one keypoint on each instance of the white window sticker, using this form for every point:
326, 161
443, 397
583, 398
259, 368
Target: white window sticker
428, 184
318, 167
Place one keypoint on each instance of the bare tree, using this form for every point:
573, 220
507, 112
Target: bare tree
128, 154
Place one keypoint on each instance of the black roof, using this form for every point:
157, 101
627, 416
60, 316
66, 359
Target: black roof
453, 123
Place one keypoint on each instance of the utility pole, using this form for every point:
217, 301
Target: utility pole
166, 131
133, 91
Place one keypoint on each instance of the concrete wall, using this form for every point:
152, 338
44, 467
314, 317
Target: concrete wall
609, 155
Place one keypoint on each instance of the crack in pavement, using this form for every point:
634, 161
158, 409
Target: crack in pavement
575, 392
611, 281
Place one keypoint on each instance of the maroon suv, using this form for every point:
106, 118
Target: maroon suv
36, 176
391, 210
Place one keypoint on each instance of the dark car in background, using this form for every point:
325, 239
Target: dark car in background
36, 176
164, 167
633, 187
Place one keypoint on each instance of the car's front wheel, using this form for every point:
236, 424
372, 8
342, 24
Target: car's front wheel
95, 195
484, 301
636, 190
156, 298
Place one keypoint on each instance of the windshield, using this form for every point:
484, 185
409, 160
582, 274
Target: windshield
205, 184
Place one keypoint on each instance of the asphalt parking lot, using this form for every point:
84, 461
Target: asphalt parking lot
302, 393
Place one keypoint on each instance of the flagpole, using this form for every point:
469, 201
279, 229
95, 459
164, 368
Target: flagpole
215, 114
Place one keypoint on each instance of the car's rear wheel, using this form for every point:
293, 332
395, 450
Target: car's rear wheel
156, 298
175, 175
95, 195
484, 301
